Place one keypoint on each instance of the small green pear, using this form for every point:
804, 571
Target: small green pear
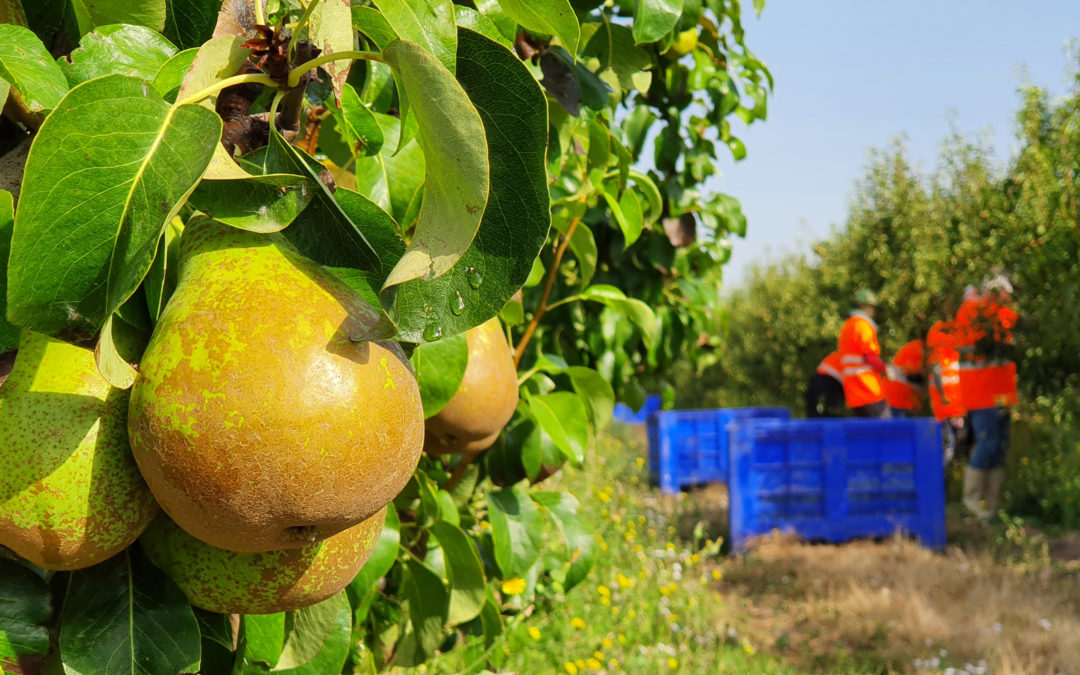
257, 419
485, 400
70, 492
259, 583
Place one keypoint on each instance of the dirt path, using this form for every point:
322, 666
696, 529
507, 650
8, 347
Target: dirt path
1003, 600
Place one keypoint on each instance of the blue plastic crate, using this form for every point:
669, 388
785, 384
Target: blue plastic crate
625, 414
837, 479
689, 447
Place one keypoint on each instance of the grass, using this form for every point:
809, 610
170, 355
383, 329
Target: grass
664, 598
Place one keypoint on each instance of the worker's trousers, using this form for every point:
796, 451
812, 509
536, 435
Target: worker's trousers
990, 427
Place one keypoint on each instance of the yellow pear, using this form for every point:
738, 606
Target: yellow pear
70, 492
485, 400
257, 420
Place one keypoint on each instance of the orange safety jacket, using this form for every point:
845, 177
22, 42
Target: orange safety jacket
900, 392
944, 361
985, 382
832, 367
862, 384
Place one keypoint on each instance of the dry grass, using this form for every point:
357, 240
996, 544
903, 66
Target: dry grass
997, 600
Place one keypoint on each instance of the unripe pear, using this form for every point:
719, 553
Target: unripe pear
71, 495
485, 400
257, 420
230, 582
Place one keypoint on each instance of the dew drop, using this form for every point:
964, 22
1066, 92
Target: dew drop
432, 332
474, 276
457, 305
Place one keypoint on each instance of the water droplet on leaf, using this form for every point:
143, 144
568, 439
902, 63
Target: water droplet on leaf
432, 332
457, 305
474, 276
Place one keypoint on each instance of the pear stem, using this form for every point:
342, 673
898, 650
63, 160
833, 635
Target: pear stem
299, 71
254, 78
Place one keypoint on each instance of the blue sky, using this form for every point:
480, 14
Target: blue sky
856, 74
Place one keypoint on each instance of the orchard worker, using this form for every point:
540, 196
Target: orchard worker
946, 399
905, 381
860, 355
825, 392
988, 387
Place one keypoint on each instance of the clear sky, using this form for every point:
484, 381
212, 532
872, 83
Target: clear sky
856, 74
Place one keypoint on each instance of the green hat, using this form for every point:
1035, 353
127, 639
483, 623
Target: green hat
865, 296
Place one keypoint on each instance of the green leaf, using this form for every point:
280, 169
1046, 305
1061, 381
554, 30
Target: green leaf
125, 616
393, 177
428, 23
189, 23
456, 156
440, 367
358, 124
258, 203
160, 281
523, 437
653, 19
614, 46
428, 603
627, 212
322, 231
9, 334
330, 29
464, 570
118, 50
373, 24
25, 604
381, 559
467, 17
170, 75
112, 366
26, 66
551, 17
515, 529
563, 417
635, 310
264, 638
317, 638
514, 113
94, 13
216, 60
448, 509
597, 393
579, 538
91, 213
491, 618
583, 246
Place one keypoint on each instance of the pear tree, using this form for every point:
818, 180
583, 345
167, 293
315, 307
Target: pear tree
260, 254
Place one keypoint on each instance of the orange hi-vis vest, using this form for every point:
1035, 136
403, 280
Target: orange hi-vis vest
985, 382
900, 392
944, 360
858, 337
832, 367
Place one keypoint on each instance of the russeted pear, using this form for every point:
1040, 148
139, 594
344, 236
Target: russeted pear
257, 421
70, 492
230, 582
485, 400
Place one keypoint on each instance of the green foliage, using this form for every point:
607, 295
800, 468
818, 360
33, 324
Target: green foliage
550, 147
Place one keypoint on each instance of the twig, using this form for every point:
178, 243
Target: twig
459, 471
549, 282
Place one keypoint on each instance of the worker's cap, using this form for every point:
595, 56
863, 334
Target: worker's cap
865, 296
999, 283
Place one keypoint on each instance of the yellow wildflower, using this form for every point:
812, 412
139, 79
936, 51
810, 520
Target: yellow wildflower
599, 656
604, 497
673, 663
607, 643
577, 622
513, 586
594, 664
717, 575
640, 462
534, 632
631, 614
570, 668
605, 601
695, 558
603, 590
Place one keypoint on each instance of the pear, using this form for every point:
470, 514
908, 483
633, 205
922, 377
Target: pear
484, 402
257, 420
259, 583
70, 492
